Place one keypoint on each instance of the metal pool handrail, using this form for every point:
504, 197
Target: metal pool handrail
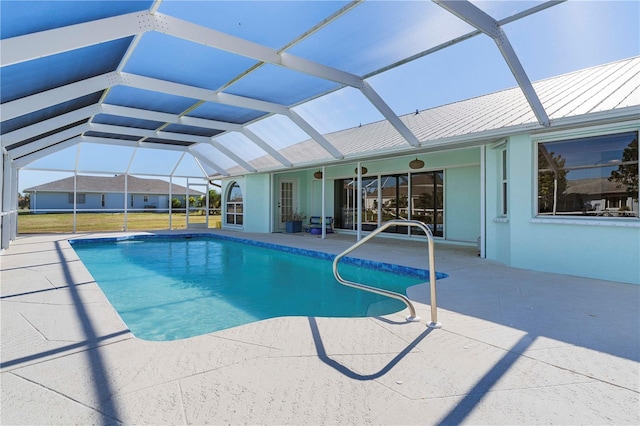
432, 271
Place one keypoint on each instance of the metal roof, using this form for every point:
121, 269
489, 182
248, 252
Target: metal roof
611, 89
107, 184
202, 77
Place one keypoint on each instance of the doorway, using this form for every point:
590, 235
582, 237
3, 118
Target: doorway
287, 201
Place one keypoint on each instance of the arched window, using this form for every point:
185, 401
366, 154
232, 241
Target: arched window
234, 205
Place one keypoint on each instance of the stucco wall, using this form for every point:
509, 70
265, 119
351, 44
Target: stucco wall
257, 206
462, 187
601, 249
462, 203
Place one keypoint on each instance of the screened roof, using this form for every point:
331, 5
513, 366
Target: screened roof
227, 83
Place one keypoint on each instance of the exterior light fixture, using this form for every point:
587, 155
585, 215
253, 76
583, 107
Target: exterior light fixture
363, 169
318, 175
416, 164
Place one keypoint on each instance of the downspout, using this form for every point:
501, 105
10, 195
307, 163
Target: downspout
126, 196
359, 204
75, 197
323, 220
170, 199
272, 213
483, 201
186, 198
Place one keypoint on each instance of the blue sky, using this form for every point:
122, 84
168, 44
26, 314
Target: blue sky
564, 38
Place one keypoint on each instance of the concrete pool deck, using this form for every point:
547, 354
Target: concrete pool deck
516, 347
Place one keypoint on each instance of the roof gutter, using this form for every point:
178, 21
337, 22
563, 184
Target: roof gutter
628, 114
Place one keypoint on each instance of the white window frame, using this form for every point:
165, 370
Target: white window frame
562, 135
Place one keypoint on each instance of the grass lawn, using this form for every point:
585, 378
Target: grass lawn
29, 223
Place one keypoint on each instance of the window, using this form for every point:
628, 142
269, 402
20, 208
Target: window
235, 207
131, 198
503, 155
145, 198
103, 200
595, 176
80, 198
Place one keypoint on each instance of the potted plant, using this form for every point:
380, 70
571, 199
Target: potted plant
293, 222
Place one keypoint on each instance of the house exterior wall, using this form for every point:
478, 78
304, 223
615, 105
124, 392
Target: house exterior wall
257, 203
602, 249
93, 201
462, 204
462, 191
589, 247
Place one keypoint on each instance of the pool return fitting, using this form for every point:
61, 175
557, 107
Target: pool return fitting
432, 271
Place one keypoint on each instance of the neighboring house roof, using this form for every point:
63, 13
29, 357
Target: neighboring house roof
593, 92
596, 186
104, 184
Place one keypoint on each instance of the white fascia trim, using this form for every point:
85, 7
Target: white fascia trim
48, 141
625, 115
30, 158
48, 125
474, 16
58, 95
50, 42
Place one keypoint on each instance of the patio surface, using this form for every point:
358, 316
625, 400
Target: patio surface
516, 347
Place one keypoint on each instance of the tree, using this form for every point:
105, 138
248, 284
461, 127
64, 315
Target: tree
627, 173
176, 203
214, 199
552, 180
23, 201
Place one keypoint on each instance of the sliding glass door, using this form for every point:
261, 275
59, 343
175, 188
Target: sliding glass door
418, 196
427, 205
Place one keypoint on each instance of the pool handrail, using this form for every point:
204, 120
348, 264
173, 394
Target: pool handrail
432, 271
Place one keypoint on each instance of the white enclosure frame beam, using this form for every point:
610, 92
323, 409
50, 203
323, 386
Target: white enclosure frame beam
224, 150
49, 125
200, 157
311, 131
46, 43
21, 49
30, 158
266, 147
474, 16
58, 95
48, 141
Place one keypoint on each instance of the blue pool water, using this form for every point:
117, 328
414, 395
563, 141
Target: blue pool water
173, 288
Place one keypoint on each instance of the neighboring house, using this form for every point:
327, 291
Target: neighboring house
107, 193
560, 198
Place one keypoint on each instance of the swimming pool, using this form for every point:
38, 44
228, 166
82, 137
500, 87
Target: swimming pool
174, 287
